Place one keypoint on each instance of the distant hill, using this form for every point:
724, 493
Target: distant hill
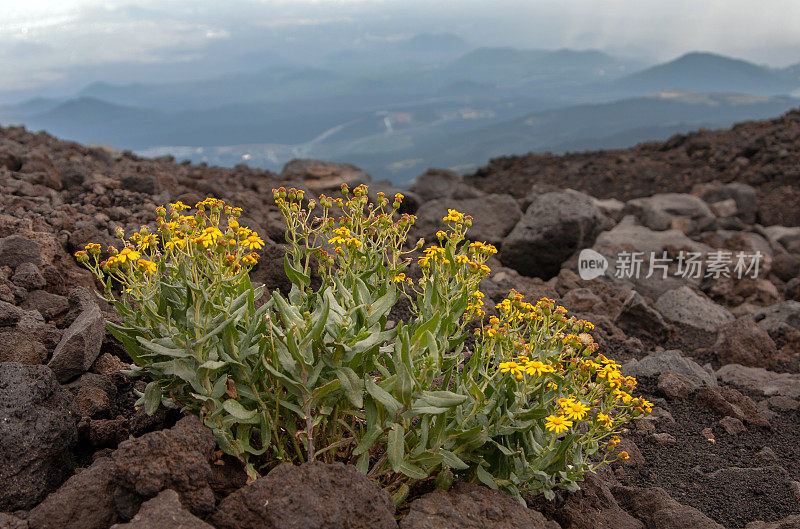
708, 72
611, 125
501, 66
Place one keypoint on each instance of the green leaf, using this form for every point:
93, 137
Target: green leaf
396, 447
157, 348
367, 441
213, 364
321, 391
295, 276
485, 478
352, 386
238, 411
442, 399
152, 398
413, 471
453, 461
391, 404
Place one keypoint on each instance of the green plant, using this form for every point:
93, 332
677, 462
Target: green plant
324, 374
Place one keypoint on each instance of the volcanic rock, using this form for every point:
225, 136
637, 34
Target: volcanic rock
37, 434
469, 506
310, 495
553, 227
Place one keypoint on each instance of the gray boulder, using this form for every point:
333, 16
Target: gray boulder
85, 501
696, 316
658, 363
666, 211
324, 176
80, 345
555, 226
494, 216
743, 196
442, 184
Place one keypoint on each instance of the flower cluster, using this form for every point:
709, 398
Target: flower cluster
219, 248
551, 359
362, 234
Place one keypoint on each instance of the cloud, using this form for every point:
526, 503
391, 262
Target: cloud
41, 39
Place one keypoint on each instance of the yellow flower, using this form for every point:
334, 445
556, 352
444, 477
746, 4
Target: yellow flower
250, 259
575, 410
147, 266
253, 241
127, 254
93, 247
623, 396
536, 368
454, 216
605, 420
557, 424
178, 242
399, 278
511, 367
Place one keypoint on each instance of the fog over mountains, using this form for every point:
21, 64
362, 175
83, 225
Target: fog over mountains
397, 107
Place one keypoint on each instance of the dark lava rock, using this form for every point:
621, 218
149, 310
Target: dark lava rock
80, 345
659, 511
676, 386
591, 507
640, 319
555, 225
313, 495
37, 433
9, 314
15, 250
786, 266
469, 506
49, 305
729, 402
27, 276
176, 459
164, 512
743, 342
16, 346
85, 501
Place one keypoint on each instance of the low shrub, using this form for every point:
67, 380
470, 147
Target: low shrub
327, 373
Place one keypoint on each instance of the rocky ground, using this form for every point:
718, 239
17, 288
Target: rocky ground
717, 355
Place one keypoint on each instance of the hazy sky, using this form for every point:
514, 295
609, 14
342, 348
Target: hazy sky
45, 43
